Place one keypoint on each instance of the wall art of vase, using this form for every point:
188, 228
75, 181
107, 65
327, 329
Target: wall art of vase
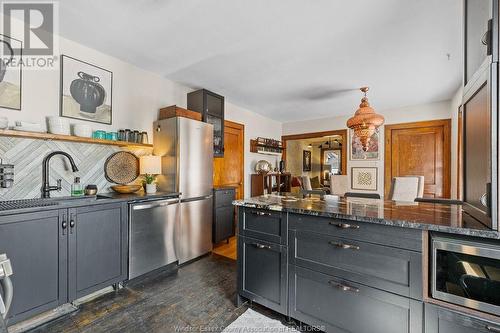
86, 91
10, 72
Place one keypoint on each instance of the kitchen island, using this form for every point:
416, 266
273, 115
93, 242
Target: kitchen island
350, 264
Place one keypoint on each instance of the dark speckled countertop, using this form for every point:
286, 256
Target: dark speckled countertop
100, 199
425, 216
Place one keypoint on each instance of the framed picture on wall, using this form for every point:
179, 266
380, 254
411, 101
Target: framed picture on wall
86, 91
357, 152
10, 73
364, 178
306, 160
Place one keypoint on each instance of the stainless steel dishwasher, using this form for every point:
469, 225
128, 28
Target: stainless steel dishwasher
152, 230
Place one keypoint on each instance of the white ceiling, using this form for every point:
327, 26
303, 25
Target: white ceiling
287, 59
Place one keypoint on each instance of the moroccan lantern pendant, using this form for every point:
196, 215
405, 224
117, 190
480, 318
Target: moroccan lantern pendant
365, 121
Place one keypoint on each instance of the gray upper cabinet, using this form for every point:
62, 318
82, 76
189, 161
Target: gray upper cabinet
440, 320
97, 248
211, 107
36, 245
477, 34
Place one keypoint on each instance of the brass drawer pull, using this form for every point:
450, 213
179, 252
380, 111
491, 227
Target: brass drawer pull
345, 225
262, 246
344, 246
261, 213
493, 329
344, 287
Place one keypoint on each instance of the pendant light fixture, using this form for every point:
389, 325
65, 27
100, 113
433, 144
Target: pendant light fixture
365, 121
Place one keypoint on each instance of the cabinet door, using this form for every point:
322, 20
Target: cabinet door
262, 273
477, 15
338, 305
218, 124
223, 223
97, 248
36, 245
440, 320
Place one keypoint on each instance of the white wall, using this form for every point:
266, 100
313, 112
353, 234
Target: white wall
255, 126
433, 111
137, 96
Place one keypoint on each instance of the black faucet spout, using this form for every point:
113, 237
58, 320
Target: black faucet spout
46, 188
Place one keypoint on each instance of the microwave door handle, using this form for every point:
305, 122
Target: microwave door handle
485, 199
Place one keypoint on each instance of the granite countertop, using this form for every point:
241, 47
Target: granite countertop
417, 215
100, 199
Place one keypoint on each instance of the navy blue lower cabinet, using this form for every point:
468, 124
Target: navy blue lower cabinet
262, 273
395, 270
341, 306
58, 256
36, 245
98, 239
441, 320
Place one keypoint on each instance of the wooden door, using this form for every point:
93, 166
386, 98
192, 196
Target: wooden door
420, 149
228, 170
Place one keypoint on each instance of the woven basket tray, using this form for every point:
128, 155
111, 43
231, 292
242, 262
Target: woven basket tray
122, 167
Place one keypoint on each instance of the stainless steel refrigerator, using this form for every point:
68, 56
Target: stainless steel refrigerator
186, 147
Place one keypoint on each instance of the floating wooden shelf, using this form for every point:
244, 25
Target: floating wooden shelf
70, 138
261, 148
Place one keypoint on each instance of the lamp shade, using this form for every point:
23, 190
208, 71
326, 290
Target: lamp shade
150, 165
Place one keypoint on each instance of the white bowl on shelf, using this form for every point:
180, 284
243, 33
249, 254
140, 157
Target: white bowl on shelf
58, 125
4, 122
82, 130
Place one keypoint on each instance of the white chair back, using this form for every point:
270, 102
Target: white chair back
306, 183
405, 188
421, 184
338, 184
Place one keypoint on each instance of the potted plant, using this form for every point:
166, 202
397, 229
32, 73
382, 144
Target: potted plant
150, 181
150, 167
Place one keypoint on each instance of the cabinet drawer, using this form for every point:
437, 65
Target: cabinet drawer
395, 270
405, 238
224, 198
262, 273
336, 305
265, 225
441, 320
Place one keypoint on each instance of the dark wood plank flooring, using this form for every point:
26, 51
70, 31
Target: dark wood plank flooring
201, 296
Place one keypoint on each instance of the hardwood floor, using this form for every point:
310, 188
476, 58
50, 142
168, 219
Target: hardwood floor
227, 250
200, 296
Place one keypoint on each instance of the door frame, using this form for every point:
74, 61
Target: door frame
312, 135
240, 127
446, 124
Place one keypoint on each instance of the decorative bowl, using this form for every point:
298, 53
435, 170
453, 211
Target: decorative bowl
126, 189
82, 130
263, 167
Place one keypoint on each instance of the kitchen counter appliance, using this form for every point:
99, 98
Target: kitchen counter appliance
466, 273
151, 230
186, 148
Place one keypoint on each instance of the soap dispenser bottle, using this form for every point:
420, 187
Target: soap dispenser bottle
77, 188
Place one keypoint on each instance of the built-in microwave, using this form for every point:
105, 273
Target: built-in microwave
466, 273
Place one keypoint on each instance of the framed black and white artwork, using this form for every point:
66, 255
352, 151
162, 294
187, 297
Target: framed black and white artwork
10, 73
86, 91
364, 178
306, 160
